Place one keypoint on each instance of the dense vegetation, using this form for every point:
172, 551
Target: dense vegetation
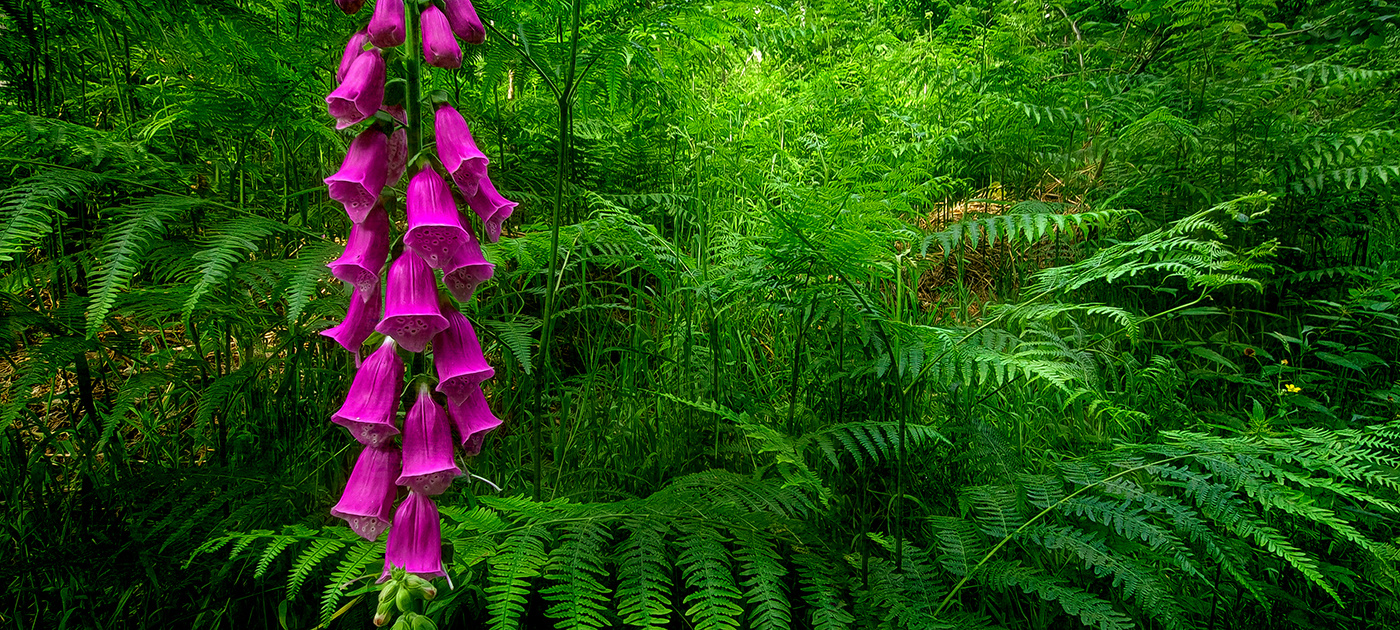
901, 313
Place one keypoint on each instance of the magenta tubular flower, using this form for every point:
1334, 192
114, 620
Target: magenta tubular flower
434, 227
361, 176
353, 49
361, 93
466, 270
365, 252
427, 447
411, 314
440, 48
350, 7
368, 501
398, 146
462, 15
360, 320
457, 354
491, 207
386, 27
415, 540
473, 420
373, 399
458, 151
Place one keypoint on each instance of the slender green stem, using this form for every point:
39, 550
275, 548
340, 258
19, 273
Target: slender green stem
413, 93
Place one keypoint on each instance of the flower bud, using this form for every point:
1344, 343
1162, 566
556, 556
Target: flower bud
386, 27
353, 49
465, 23
440, 48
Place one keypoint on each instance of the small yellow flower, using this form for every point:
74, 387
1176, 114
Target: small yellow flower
1283, 362
1292, 389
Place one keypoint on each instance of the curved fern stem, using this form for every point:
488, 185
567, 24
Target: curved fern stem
1048, 509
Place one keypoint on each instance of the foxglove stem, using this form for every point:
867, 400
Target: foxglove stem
434, 228
368, 501
365, 252
411, 314
415, 540
440, 47
427, 447
373, 400
461, 367
361, 93
386, 27
360, 320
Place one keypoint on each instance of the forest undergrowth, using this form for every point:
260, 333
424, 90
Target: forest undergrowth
907, 314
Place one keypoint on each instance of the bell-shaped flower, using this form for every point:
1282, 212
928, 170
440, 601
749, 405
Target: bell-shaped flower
472, 418
491, 207
411, 313
360, 320
353, 49
386, 27
361, 93
434, 227
373, 399
361, 176
350, 7
458, 152
365, 252
427, 447
367, 504
457, 356
415, 540
440, 48
462, 15
466, 270
398, 146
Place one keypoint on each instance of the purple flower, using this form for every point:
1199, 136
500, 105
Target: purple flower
411, 314
457, 355
373, 399
415, 540
458, 151
427, 447
398, 146
491, 207
350, 7
361, 92
365, 252
440, 48
386, 27
434, 227
353, 49
360, 319
361, 176
466, 270
473, 420
462, 15
368, 501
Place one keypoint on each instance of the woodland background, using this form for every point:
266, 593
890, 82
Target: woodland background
892, 313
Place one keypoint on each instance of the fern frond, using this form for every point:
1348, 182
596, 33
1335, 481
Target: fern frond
520, 558
579, 597
30, 208
704, 561
122, 251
